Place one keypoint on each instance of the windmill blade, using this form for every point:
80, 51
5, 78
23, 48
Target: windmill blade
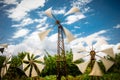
96, 70
40, 59
107, 63
119, 47
32, 65
77, 56
27, 72
82, 66
5, 67
40, 66
69, 35
4, 45
72, 10
48, 12
2, 50
34, 73
43, 34
81, 50
109, 52
21, 67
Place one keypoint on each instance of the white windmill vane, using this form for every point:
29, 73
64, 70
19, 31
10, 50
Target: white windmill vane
5, 66
95, 69
32, 65
68, 34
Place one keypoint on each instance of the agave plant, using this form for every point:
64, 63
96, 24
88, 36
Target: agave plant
32, 65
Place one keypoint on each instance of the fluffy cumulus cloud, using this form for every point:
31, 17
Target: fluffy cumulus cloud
73, 18
33, 44
59, 11
30, 44
22, 9
79, 46
86, 42
24, 22
80, 3
76, 17
20, 33
10, 1
117, 26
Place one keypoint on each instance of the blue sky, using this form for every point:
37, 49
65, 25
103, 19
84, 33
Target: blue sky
22, 20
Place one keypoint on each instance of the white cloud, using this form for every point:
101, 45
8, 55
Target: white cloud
30, 43
96, 37
42, 23
87, 9
73, 18
80, 3
33, 44
117, 26
59, 11
77, 27
86, 23
27, 21
53, 38
10, 1
24, 22
76, 35
101, 44
42, 27
22, 9
116, 48
42, 20
20, 33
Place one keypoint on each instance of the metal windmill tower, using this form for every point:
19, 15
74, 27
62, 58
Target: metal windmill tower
61, 58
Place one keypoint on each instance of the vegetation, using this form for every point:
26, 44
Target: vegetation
49, 72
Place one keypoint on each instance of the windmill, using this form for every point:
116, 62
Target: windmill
61, 59
2, 47
32, 65
119, 47
95, 69
5, 66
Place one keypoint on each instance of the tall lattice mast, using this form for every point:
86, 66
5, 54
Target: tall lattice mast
61, 59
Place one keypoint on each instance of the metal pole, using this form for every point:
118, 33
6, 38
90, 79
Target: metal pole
61, 59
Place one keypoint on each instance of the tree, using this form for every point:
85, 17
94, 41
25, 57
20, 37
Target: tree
116, 67
14, 69
50, 64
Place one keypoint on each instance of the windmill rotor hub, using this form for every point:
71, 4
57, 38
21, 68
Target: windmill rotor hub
57, 22
92, 54
31, 61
